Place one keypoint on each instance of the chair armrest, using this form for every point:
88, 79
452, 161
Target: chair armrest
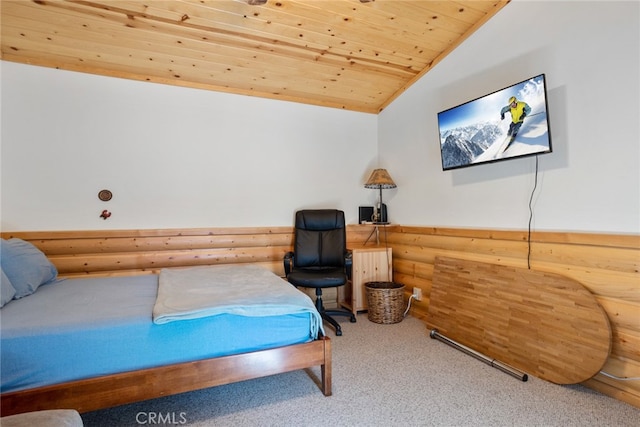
348, 263
288, 262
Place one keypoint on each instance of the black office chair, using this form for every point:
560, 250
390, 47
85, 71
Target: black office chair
320, 258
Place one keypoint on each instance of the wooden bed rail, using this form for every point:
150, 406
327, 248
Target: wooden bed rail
112, 390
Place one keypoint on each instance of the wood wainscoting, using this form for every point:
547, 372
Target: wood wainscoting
127, 252
607, 265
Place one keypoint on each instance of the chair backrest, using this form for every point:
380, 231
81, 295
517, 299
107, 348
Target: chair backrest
320, 238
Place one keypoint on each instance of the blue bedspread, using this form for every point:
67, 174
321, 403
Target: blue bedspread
81, 328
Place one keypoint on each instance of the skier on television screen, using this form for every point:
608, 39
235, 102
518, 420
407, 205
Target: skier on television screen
519, 110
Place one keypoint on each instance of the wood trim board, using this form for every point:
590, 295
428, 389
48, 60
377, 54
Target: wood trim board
542, 323
111, 390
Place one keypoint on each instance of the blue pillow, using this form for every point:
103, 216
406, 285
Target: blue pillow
8, 291
26, 266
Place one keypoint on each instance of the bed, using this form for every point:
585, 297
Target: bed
92, 343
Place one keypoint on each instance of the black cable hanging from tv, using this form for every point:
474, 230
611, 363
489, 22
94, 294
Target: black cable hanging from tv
535, 185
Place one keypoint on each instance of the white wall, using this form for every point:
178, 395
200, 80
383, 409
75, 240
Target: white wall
177, 157
173, 157
590, 54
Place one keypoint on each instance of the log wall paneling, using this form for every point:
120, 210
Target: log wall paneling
121, 252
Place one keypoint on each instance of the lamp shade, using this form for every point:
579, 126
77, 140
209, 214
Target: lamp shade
380, 178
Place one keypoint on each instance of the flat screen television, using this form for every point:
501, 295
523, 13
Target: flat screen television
505, 124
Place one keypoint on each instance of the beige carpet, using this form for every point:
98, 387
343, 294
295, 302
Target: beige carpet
383, 375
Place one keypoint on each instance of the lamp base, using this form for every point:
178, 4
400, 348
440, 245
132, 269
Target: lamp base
380, 214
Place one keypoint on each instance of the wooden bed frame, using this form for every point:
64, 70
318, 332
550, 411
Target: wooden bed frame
127, 252
128, 387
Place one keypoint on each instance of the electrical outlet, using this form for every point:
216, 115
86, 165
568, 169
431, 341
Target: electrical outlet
417, 294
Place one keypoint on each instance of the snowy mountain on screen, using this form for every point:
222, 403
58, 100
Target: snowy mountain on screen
462, 145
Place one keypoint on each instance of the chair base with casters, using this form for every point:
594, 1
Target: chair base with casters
326, 314
319, 279
320, 258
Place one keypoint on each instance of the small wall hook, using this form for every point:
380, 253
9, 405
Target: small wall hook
105, 214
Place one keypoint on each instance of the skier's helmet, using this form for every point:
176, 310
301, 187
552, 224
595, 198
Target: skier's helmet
512, 100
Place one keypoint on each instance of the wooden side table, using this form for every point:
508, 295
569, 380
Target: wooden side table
370, 264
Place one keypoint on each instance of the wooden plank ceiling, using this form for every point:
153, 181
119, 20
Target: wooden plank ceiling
352, 54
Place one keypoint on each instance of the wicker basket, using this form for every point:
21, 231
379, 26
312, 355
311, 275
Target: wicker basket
385, 300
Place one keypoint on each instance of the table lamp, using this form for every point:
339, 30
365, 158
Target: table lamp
379, 179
